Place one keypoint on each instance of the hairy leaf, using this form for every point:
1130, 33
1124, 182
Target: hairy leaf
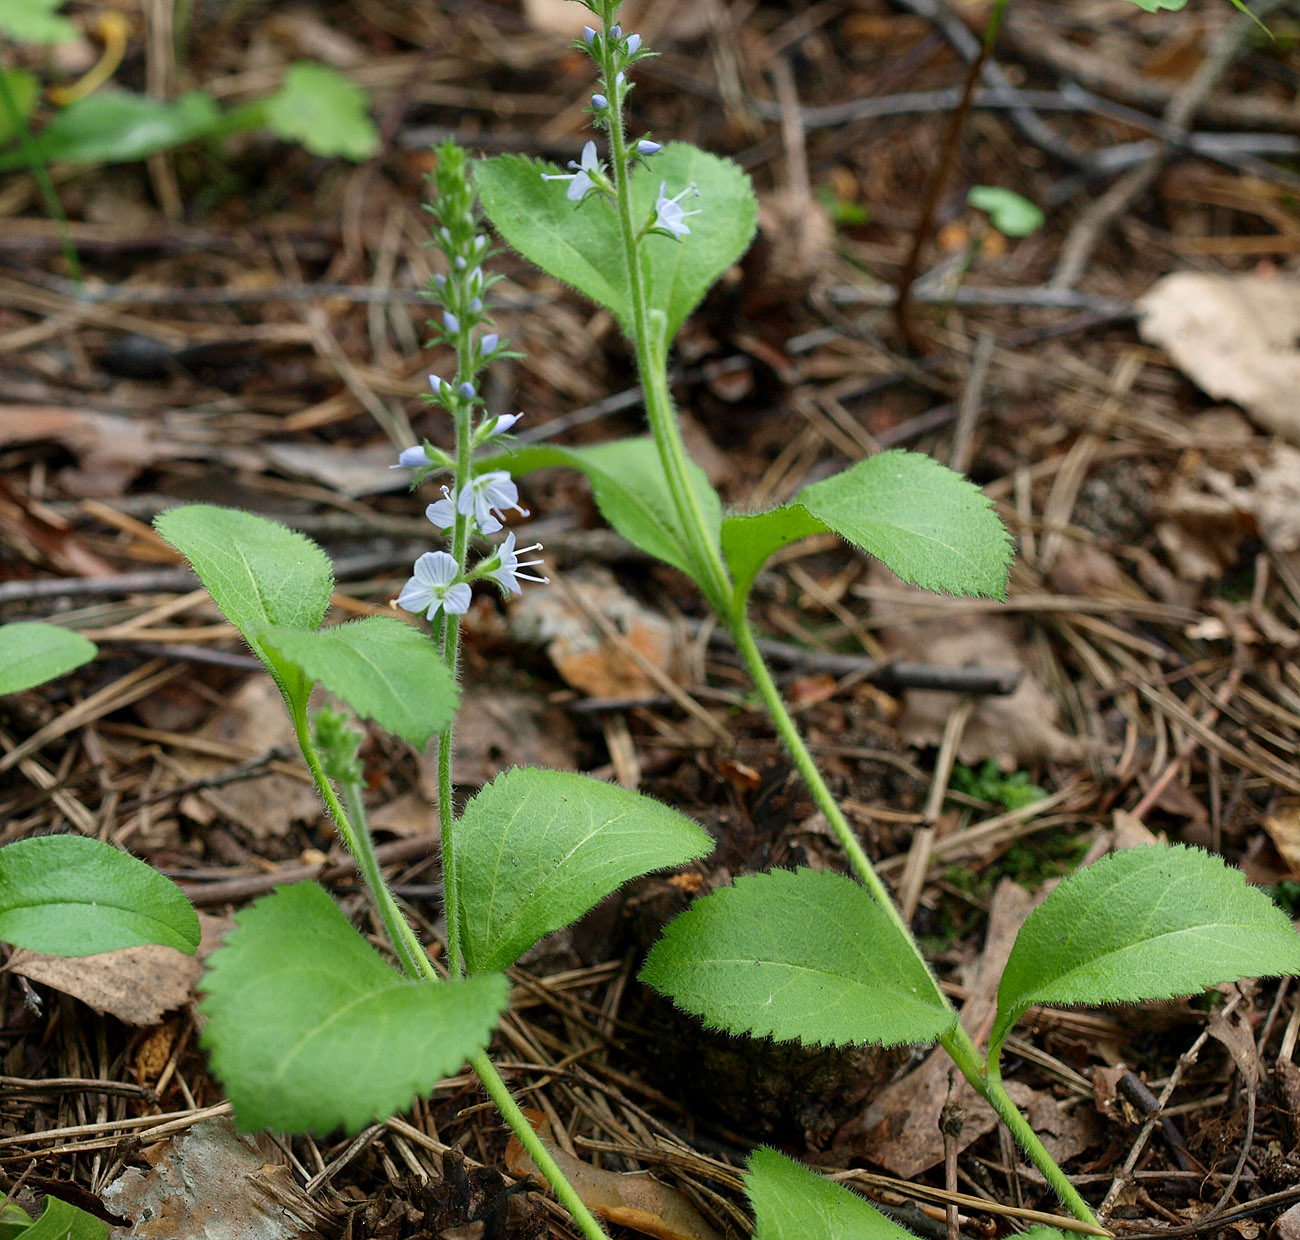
310, 1030
259, 573
1145, 923
67, 895
324, 111
581, 243
383, 668
32, 653
802, 954
928, 524
791, 1202
58, 1221
536, 849
748, 539
632, 493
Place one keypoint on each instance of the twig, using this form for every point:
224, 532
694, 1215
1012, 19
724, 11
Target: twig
1102, 213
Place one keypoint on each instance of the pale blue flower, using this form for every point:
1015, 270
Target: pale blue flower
489, 496
669, 216
435, 586
411, 458
581, 180
442, 512
500, 425
509, 572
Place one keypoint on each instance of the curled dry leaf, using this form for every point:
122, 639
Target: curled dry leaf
210, 1184
624, 1198
1234, 337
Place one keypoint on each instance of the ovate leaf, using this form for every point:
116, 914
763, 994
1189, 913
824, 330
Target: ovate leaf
579, 244
632, 493
803, 954
383, 668
258, 572
32, 653
928, 524
536, 849
1145, 923
61, 1221
66, 895
117, 126
582, 245
324, 111
1008, 212
790, 1202
310, 1030
35, 21
748, 539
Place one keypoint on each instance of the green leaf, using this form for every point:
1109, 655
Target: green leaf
1145, 923
35, 21
581, 243
1008, 212
382, 667
1154, 6
310, 1030
32, 653
325, 111
67, 895
928, 524
61, 1221
631, 491
116, 126
24, 89
802, 954
748, 539
259, 573
791, 1202
536, 849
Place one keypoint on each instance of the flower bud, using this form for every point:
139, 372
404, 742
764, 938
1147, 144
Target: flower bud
589, 36
599, 102
467, 391
646, 147
450, 322
633, 44
489, 343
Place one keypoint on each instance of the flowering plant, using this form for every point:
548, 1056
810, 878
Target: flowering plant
310, 1028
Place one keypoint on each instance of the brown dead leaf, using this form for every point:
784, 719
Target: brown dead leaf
900, 1128
254, 720
1235, 337
624, 1198
135, 984
110, 450
582, 654
211, 1184
554, 17
1283, 827
497, 729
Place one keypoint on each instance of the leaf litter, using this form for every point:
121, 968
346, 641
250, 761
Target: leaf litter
1174, 562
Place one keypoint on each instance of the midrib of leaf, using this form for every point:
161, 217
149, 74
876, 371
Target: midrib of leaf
72, 905
319, 1029
1116, 953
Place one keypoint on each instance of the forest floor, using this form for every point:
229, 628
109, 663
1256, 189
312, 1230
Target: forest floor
249, 332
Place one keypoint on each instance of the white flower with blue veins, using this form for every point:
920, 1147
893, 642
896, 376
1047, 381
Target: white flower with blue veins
435, 586
584, 177
489, 496
669, 216
509, 572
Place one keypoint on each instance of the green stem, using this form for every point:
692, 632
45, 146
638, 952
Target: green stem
651, 355
499, 1092
355, 832
987, 1081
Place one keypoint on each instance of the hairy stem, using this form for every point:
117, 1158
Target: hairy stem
987, 1081
355, 833
500, 1093
651, 355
